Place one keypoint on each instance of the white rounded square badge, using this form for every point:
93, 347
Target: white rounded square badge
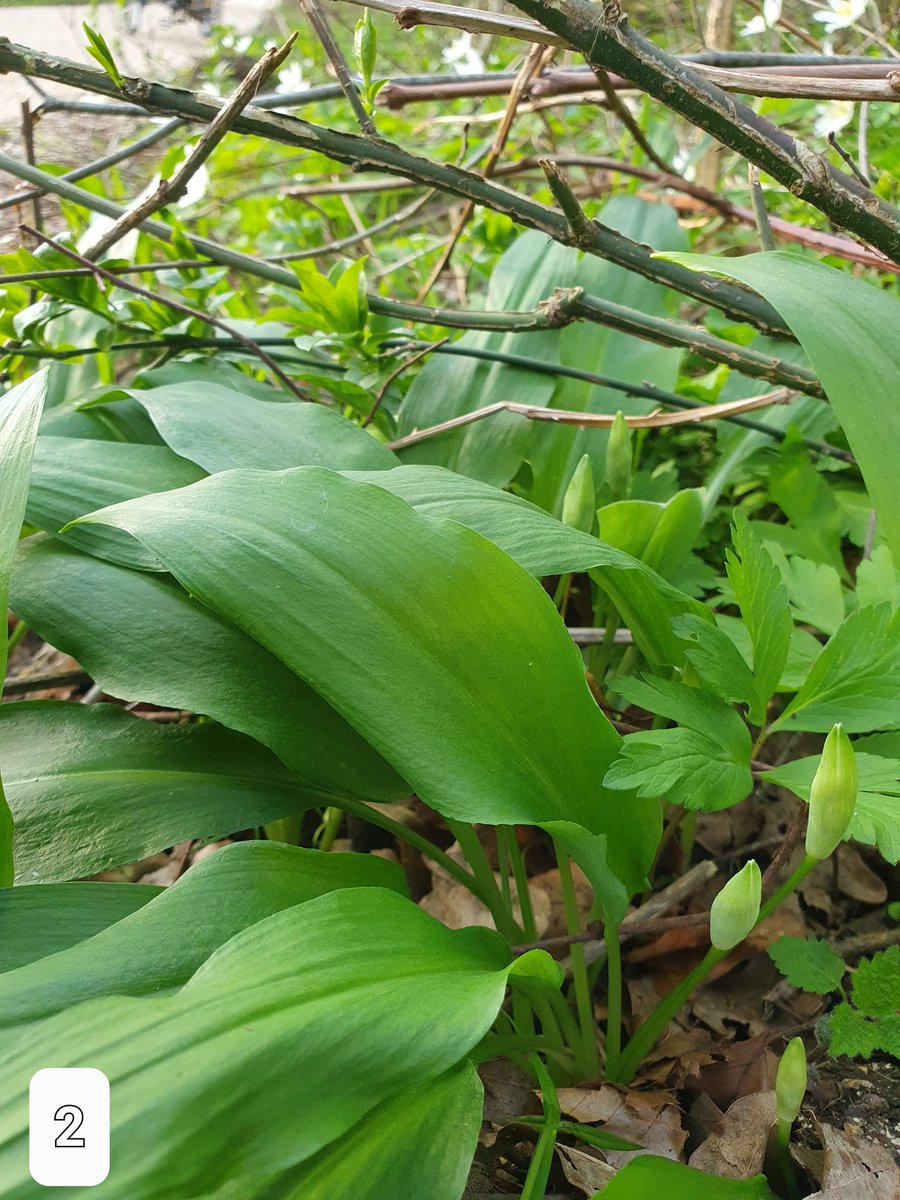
69, 1127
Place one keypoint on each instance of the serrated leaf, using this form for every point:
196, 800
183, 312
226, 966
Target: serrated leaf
876, 983
850, 1033
764, 607
704, 764
855, 679
716, 659
808, 963
876, 821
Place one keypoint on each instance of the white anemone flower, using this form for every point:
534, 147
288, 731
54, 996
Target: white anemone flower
769, 17
840, 14
832, 117
462, 56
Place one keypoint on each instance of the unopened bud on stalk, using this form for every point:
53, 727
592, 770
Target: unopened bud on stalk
735, 910
790, 1082
365, 45
618, 458
832, 797
580, 501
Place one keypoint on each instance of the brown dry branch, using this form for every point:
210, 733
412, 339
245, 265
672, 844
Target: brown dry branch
170, 190
562, 416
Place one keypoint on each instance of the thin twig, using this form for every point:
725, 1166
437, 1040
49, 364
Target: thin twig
620, 108
586, 420
170, 190
763, 225
786, 847
848, 159
533, 62
319, 22
395, 374
176, 306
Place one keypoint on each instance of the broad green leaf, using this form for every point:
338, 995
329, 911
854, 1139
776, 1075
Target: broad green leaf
219, 429
855, 679
556, 449
878, 580
647, 1177
876, 821
491, 450
446, 656
74, 476
813, 588
324, 1010
716, 659
803, 495
92, 787
660, 535
45, 918
158, 644
764, 607
850, 1033
848, 328
420, 1143
159, 947
544, 546
20, 412
808, 963
704, 763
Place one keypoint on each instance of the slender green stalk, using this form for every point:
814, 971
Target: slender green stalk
588, 1057
488, 888
539, 1170
16, 636
650, 1030
428, 849
503, 868
331, 826
613, 999
285, 829
783, 1142
519, 874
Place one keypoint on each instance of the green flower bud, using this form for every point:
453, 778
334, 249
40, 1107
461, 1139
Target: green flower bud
790, 1081
580, 501
736, 908
832, 797
618, 458
365, 44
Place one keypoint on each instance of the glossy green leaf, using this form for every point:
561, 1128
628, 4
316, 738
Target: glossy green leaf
20, 412
848, 328
555, 449
92, 787
74, 476
876, 821
219, 428
420, 1143
324, 1011
703, 763
159, 947
435, 645
446, 387
45, 918
660, 535
648, 1177
855, 679
158, 644
544, 546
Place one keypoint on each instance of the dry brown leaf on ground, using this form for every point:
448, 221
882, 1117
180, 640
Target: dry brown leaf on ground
651, 1119
736, 1147
856, 879
584, 1171
740, 1069
856, 1168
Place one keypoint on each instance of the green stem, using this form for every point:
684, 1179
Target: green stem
16, 636
783, 1141
519, 874
539, 1169
613, 998
330, 828
650, 1030
490, 892
588, 1057
428, 849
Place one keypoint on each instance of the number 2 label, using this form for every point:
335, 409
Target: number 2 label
68, 1137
